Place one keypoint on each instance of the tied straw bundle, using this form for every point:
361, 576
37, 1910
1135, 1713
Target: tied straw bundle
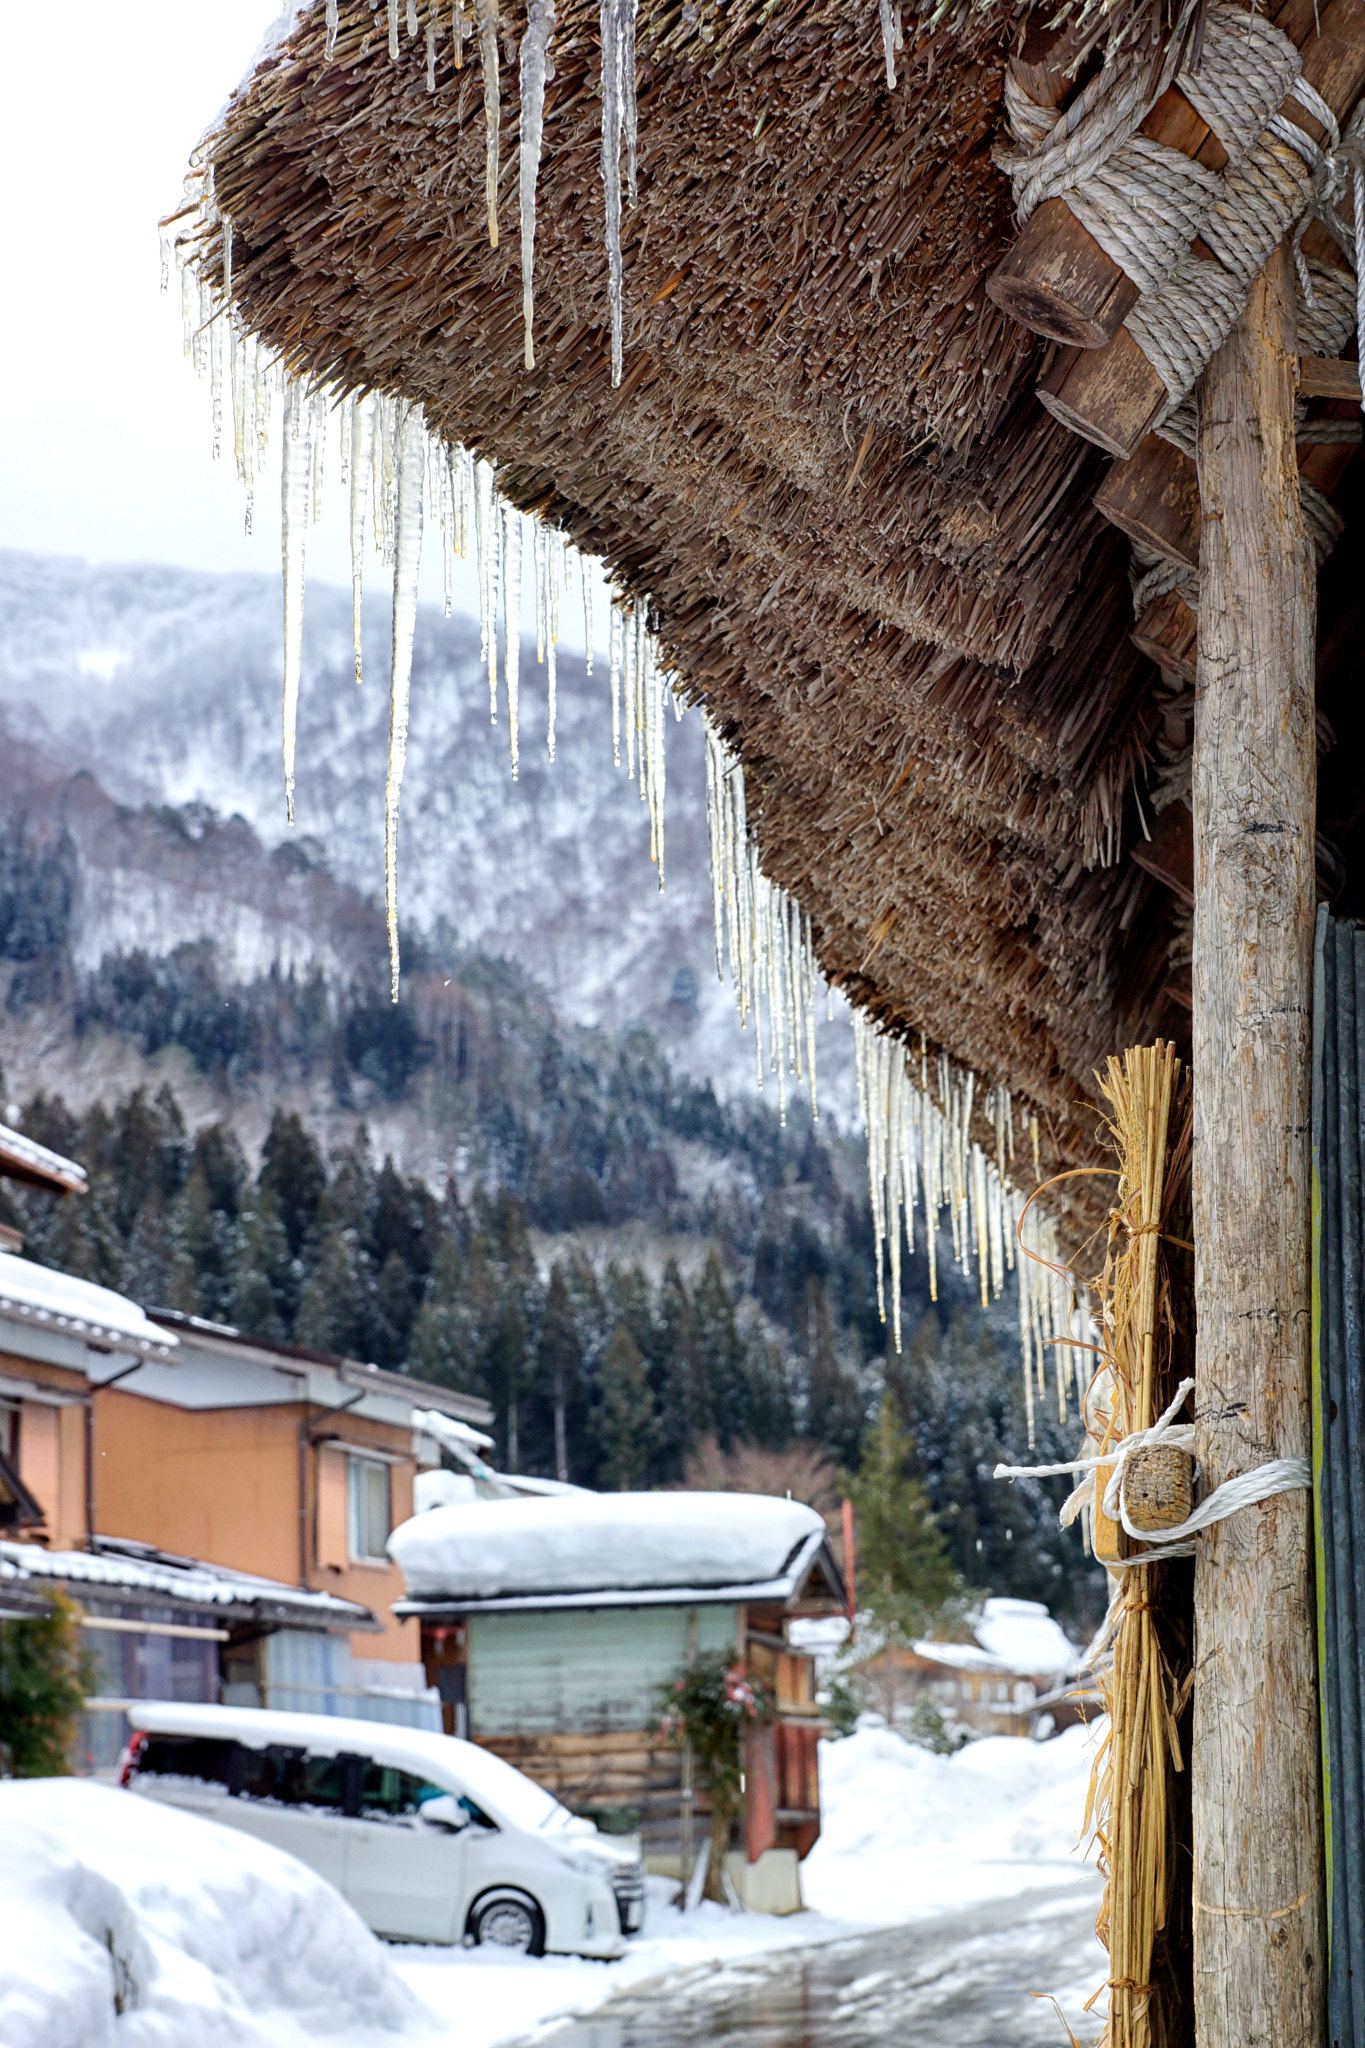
1138, 1802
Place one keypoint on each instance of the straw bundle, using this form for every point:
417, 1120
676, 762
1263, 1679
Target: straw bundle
1138, 1802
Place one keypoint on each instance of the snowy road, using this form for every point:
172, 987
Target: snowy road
963, 1981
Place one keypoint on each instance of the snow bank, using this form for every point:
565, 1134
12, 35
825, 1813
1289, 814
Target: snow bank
125, 1924
600, 1542
907, 1833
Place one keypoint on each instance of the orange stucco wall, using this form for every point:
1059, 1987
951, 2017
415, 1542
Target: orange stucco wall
223, 1484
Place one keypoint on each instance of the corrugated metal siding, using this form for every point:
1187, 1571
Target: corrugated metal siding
312, 1673
588, 1671
1338, 1438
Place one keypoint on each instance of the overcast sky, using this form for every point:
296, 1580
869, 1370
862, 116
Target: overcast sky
105, 446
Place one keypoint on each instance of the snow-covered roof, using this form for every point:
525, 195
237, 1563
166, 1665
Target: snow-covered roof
78, 1308
188, 1581
602, 1548
22, 1159
505, 1792
1017, 1636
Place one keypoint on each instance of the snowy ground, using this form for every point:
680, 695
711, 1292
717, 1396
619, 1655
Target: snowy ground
217, 1939
907, 1835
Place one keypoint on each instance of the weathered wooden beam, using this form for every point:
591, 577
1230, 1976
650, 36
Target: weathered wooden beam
1258, 1943
1323, 377
1056, 279
1168, 632
1154, 499
1112, 395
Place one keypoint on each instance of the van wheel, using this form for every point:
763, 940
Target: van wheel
509, 1920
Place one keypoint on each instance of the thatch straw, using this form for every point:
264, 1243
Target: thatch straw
1137, 1804
926, 665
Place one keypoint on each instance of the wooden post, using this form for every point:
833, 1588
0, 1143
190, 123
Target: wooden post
1259, 1933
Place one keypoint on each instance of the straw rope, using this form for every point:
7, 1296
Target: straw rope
1143, 202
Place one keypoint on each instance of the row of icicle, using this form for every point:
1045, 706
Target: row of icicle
429, 22
764, 931
400, 480
917, 1113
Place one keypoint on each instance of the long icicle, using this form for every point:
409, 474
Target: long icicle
511, 625
492, 110
362, 463
407, 562
536, 69
296, 479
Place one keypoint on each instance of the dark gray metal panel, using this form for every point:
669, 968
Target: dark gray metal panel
1339, 1446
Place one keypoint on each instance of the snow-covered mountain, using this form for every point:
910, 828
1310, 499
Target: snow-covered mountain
166, 683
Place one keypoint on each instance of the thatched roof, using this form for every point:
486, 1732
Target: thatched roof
866, 546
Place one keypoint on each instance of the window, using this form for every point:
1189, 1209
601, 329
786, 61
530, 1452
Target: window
367, 1506
388, 1794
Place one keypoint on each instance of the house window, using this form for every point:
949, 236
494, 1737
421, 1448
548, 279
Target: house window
367, 1505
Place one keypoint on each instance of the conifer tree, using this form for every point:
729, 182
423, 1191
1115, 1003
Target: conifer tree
905, 1577
625, 1424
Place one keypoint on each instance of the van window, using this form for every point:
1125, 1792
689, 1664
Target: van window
388, 1794
203, 1758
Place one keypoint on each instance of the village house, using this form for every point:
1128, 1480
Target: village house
1018, 1676
552, 1627
219, 1507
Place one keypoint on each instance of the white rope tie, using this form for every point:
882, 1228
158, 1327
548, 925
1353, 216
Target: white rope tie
1277, 1475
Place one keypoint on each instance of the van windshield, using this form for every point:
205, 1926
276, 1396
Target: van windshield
514, 1798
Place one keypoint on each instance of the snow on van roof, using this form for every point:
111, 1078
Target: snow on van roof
506, 1794
59, 1301
602, 1543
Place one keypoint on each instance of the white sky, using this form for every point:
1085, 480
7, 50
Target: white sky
105, 439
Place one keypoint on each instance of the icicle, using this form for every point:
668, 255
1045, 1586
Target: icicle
227, 261
431, 56
890, 42
362, 469
511, 624
345, 443
457, 33
629, 124
333, 23
614, 645
487, 530
487, 16
213, 340
554, 557
296, 472
393, 30
407, 562
586, 582
319, 450
413, 23
613, 13
536, 68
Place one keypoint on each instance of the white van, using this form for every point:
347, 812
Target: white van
430, 1838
